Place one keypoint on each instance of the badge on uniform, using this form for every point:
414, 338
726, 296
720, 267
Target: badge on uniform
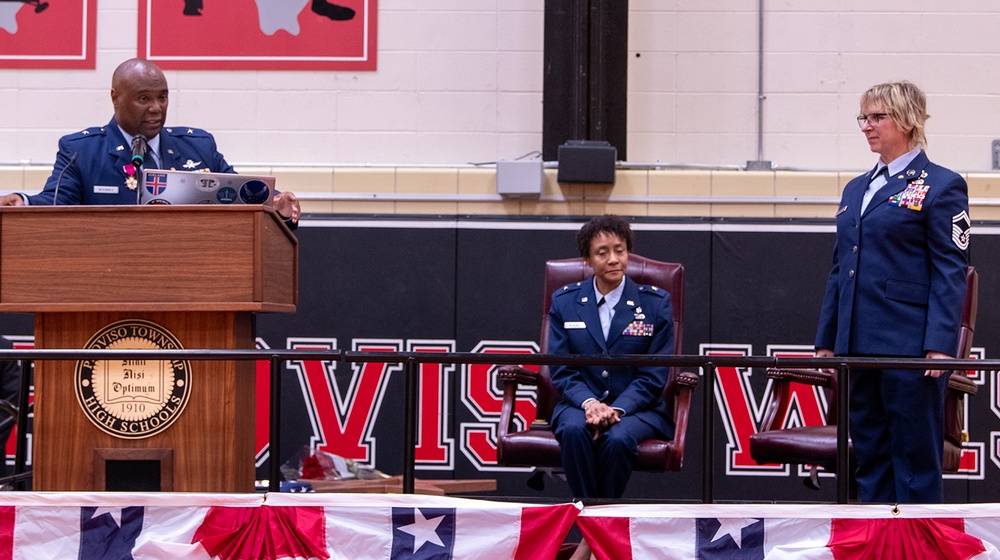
574, 325
638, 328
961, 230
913, 195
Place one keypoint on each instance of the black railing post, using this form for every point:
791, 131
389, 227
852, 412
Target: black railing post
843, 425
274, 443
20, 455
708, 434
410, 371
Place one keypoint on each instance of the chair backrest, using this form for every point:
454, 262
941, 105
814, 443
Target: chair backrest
954, 409
969, 309
558, 273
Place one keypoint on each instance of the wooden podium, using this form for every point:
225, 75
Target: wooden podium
125, 277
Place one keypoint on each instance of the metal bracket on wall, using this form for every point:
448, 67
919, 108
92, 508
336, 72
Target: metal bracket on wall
759, 165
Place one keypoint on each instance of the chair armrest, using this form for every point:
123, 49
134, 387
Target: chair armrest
510, 377
687, 379
9, 408
960, 387
801, 375
517, 375
777, 407
686, 382
958, 381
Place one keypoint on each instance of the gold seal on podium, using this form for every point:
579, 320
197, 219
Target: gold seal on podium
133, 398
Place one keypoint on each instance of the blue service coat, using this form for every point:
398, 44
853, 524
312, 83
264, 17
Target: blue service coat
643, 324
97, 173
897, 283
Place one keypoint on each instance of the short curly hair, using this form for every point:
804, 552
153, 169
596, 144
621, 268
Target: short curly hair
608, 223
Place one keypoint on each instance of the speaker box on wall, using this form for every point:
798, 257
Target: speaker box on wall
587, 161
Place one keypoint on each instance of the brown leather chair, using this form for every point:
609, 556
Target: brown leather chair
817, 445
537, 445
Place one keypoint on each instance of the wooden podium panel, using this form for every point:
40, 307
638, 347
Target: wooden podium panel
198, 273
212, 439
146, 258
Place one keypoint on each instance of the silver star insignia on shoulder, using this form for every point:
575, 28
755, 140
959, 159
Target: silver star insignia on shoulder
190, 131
85, 131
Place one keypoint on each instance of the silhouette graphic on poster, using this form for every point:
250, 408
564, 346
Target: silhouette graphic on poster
9, 9
275, 15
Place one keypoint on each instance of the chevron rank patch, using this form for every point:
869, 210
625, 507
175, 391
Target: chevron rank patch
961, 230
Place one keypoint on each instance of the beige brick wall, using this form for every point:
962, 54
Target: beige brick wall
461, 81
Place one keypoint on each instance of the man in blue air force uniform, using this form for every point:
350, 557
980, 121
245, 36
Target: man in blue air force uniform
606, 411
896, 288
94, 166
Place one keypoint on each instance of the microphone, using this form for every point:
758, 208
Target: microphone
139, 147
55, 194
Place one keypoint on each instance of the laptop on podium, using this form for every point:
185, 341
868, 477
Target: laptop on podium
164, 186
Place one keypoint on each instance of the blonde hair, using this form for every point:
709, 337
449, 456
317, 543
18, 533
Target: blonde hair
905, 103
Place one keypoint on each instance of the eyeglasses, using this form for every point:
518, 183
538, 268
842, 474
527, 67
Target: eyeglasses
871, 118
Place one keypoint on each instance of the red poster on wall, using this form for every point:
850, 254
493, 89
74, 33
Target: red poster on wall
258, 34
38, 34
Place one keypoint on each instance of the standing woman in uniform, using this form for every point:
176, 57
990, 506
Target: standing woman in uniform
896, 289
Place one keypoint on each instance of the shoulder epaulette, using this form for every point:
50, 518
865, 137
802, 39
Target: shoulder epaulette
186, 131
88, 132
569, 288
652, 290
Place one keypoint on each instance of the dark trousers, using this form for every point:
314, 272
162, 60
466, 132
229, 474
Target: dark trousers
897, 432
599, 468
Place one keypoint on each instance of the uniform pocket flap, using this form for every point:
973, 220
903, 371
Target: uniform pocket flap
907, 291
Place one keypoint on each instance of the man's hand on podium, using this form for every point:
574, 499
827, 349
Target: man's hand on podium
12, 199
287, 206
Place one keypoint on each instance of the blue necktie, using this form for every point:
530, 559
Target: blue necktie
874, 185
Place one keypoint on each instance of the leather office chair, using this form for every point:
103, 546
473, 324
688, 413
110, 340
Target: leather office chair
817, 445
537, 445
9, 421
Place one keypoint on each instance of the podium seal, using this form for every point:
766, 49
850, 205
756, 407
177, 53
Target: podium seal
133, 398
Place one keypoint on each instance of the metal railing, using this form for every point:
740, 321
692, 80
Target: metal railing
411, 361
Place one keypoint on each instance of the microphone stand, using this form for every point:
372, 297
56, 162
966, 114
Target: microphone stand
139, 147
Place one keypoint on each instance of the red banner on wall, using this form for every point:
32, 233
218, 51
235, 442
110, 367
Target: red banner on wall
259, 34
35, 34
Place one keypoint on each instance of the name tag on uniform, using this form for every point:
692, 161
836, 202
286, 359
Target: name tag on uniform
574, 325
103, 189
